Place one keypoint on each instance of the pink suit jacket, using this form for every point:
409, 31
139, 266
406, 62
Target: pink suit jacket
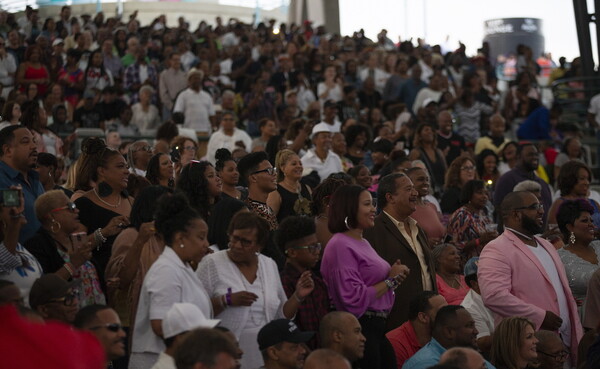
514, 283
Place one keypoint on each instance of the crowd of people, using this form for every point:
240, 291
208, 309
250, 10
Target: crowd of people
287, 198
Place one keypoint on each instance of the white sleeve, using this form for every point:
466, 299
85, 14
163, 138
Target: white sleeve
164, 291
179, 104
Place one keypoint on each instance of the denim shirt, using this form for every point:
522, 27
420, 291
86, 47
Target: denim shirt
31, 190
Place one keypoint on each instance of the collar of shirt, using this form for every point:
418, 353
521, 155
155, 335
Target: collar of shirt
411, 221
14, 174
172, 257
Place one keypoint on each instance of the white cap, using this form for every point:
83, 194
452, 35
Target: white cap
428, 101
58, 41
183, 317
321, 127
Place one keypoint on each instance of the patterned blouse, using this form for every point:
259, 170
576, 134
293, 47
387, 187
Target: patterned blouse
264, 211
89, 286
465, 226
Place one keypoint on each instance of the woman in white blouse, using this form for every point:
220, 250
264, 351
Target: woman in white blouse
145, 115
171, 279
245, 286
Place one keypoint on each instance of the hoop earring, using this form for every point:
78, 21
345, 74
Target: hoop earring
346, 223
54, 223
572, 238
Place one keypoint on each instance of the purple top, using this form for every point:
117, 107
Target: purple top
350, 268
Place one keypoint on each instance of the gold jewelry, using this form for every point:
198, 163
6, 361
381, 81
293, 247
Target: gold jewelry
54, 223
107, 203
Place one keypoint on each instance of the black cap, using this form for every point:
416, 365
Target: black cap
48, 287
330, 104
281, 330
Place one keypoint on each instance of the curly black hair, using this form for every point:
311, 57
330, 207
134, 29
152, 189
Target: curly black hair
568, 212
322, 193
353, 131
173, 214
294, 228
222, 156
193, 183
479, 161
153, 170
145, 203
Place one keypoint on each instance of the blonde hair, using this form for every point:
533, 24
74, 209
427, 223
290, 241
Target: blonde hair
72, 176
282, 157
48, 201
507, 342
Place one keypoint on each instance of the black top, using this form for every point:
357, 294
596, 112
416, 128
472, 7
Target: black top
292, 204
219, 220
450, 200
43, 247
436, 169
93, 217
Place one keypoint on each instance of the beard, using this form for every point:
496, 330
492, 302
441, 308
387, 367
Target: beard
531, 225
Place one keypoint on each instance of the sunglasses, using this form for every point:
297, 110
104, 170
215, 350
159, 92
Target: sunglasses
313, 249
69, 298
70, 207
113, 327
271, 171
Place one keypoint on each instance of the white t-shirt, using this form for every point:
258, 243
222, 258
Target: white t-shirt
484, 321
548, 264
332, 163
197, 107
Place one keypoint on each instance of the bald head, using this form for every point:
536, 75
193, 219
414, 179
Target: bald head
340, 331
463, 357
326, 359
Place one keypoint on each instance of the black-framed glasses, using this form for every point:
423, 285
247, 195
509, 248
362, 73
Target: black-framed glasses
271, 171
69, 298
557, 357
313, 249
534, 206
190, 148
233, 239
113, 327
70, 207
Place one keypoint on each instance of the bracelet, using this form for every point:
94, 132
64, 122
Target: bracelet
228, 297
100, 239
391, 283
69, 268
297, 298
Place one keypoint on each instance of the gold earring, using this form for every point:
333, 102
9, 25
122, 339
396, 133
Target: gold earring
54, 223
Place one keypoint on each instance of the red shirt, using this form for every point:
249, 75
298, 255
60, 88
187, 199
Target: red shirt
404, 341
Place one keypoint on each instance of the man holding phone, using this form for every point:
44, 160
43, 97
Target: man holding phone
18, 157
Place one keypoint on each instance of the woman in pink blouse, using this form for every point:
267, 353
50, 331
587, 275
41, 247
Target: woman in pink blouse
450, 282
358, 280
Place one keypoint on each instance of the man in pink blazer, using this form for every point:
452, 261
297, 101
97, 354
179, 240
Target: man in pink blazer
522, 275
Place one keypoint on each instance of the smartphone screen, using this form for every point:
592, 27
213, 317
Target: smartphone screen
78, 240
11, 197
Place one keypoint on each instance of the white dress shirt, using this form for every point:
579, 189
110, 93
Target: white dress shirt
331, 164
197, 107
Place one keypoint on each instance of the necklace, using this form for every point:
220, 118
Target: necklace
519, 234
107, 203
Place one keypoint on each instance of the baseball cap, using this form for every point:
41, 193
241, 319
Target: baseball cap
281, 330
58, 41
471, 266
318, 128
48, 287
183, 317
428, 101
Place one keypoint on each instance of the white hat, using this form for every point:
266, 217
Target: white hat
428, 101
58, 41
321, 127
183, 317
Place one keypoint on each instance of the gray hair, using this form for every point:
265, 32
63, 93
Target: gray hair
528, 185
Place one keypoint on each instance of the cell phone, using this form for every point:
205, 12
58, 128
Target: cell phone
10, 197
78, 240
175, 154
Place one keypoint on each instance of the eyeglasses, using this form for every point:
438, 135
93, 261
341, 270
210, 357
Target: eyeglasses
69, 298
271, 171
313, 249
70, 207
468, 168
146, 148
113, 327
244, 241
561, 356
534, 206
190, 148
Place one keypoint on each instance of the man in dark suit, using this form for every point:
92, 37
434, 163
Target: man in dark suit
397, 236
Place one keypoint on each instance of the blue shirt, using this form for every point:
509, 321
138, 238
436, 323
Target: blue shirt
429, 356
31, 190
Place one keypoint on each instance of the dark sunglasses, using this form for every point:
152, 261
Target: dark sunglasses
70, 207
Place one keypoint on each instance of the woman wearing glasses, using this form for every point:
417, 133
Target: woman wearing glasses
297, 239
60, 253
461, 171
358, 280
244, 285
183, 149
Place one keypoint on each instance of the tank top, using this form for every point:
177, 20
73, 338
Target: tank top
292, 204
